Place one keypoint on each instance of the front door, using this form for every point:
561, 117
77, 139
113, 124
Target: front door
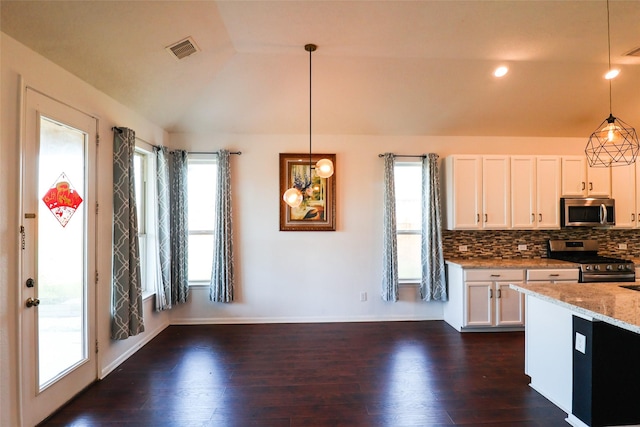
57, 255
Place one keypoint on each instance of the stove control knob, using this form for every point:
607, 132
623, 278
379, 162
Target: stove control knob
596, 267
608, 267
587, 267
620, 267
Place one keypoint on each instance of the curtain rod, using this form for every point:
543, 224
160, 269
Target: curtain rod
422, 156
213, 152
119, 130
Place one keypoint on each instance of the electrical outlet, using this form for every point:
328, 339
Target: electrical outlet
522, 247
581, 343
363, 296
462, 248
622, 246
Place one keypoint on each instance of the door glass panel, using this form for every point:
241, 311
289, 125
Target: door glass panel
62, 340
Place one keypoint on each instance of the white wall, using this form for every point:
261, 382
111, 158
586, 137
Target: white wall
318, 276
43, 75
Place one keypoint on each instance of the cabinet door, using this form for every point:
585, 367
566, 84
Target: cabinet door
509, 305
478, 310
464, 189
548, 192
574, 177
523, 192
495, 192
623, 191
599, 182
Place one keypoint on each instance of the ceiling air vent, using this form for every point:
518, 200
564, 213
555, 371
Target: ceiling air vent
183, 48
633, 52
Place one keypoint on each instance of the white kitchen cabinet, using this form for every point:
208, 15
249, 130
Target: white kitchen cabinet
580, 180
477, 192
626, 192
463, 177
553, 275
535, 192
481, 299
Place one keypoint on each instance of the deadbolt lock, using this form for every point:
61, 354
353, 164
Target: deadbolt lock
30, 282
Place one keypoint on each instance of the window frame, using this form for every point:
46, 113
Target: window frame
147, 243
211, 159
408, 232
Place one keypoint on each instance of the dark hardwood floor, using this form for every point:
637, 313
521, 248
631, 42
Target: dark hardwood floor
330, 374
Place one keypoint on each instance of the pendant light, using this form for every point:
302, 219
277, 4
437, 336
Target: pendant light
323, 168
613, 143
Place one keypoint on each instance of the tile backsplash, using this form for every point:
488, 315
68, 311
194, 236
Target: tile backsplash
504, 243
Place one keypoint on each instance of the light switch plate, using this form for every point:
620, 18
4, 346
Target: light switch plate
581, 343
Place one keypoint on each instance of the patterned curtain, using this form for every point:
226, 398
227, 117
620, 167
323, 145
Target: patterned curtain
179, 227
389, 240
163, 246
221, 286
433, 285
126, 292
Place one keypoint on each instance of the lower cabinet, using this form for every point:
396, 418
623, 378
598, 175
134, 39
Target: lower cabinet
481, 299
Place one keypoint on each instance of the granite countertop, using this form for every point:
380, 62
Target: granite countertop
510, 263
607, 302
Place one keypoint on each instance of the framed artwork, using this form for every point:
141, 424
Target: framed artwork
317, 212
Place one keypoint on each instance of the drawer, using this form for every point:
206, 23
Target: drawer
501, 275
547, 275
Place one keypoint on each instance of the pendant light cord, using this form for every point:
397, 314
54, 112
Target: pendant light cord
310, 48
609, 50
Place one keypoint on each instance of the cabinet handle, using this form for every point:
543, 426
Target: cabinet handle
495, 275
633, 217
540, 220
533, 217
486, 217
477, 218
490, 293
499, 291
554, 275
583, 186
590, 186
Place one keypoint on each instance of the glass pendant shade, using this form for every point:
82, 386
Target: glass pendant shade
324, 168
613, 143
292, 197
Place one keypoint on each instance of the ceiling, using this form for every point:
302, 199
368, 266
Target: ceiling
381, 68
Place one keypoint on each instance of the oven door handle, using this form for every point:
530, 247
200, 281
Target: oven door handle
622, 277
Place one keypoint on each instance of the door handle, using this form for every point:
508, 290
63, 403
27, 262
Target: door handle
32, 302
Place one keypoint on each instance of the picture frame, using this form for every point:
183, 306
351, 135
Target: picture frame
318, 209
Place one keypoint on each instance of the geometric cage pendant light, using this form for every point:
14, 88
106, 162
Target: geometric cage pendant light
613, 143
323, 168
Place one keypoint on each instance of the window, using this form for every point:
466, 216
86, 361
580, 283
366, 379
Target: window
408, 183
202, 186
143, 167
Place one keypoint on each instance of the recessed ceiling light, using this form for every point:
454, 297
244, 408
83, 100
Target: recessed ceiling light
501, 71
612, 74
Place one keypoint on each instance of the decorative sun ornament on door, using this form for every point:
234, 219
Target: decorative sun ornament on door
62, 199
613, 143
323, 167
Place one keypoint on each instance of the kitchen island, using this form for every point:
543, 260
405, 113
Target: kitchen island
582, 349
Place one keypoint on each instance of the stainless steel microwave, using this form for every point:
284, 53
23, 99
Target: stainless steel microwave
587, 212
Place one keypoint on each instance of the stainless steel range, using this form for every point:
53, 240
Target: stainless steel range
593, 267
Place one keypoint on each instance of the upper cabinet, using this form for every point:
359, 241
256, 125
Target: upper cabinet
625, 190
535, 192
580, 180
477, 192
